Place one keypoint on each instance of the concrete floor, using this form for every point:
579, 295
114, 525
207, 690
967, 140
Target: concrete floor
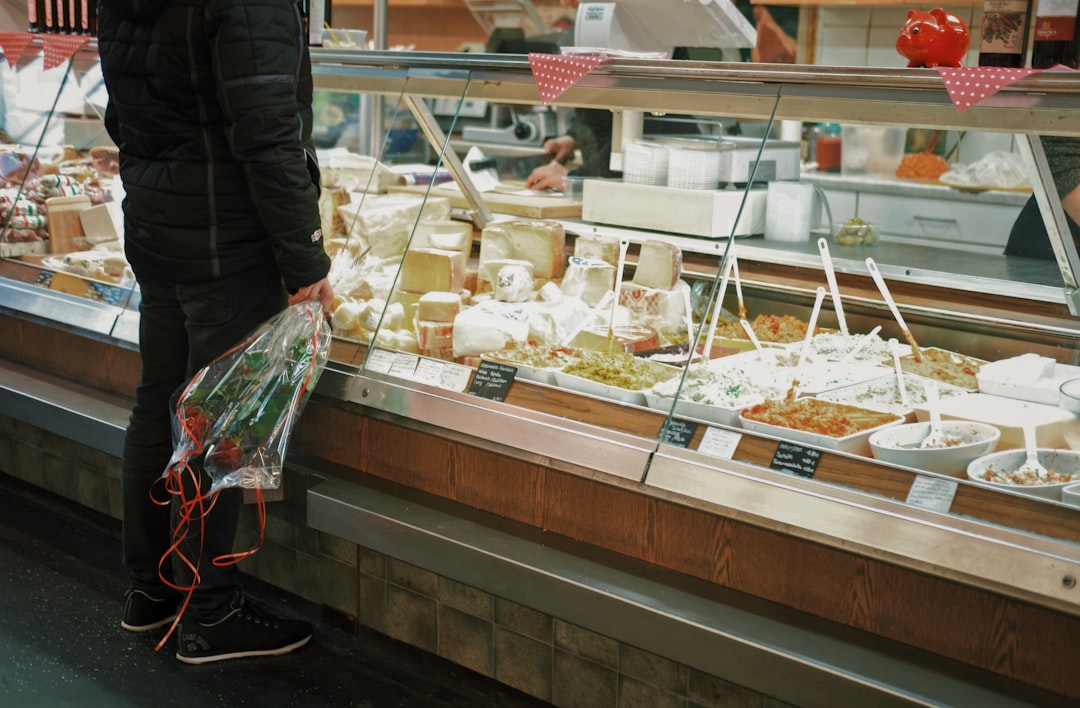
61, 594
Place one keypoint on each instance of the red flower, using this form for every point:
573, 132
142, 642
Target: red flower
226, 455
195, 423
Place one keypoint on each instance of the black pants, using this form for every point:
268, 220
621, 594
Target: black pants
1028, 236
181, 329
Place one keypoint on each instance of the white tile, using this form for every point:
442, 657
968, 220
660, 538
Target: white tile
882, 50
889, 16
845, 17
841, 47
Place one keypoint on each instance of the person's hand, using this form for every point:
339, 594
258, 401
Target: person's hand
549, 176
561, 149
320, 291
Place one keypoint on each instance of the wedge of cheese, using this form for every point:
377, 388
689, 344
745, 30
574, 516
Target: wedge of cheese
659, 265
588, 280
598, 248
427, 269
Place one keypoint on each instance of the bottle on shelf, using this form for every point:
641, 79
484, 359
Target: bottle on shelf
1056, 32
1003, 38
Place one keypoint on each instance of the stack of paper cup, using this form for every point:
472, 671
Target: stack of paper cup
645, 162
694, 167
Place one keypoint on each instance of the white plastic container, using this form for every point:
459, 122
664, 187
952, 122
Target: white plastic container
791, 210
871, 150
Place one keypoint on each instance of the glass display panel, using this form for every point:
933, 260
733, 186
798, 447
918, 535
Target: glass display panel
61, 234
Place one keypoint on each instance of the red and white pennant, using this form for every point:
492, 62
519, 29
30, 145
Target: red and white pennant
554, 73
14, 44
58, 48
968, 86
61, 47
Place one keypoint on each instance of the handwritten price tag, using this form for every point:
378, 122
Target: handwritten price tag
800, 460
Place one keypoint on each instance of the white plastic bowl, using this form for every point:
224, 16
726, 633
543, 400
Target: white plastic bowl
1070, 494
900, 445
1063, 461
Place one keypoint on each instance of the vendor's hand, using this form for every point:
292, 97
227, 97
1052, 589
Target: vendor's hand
561, 149
549, 176
320, 291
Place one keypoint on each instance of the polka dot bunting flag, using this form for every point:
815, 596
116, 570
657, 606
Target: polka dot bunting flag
968, 86
14, 44
554, 73
61, 47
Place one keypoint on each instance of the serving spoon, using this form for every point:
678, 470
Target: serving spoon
1031, 463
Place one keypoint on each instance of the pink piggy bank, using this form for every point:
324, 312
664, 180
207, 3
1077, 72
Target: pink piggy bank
935, 38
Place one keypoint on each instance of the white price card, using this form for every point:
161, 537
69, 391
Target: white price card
932, 493
404, 365
455, 377
429, 371
717, 442
380, 361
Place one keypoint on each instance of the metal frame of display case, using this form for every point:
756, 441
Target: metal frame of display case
1009, 561
1004, 559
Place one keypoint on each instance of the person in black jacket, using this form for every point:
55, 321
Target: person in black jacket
210, 105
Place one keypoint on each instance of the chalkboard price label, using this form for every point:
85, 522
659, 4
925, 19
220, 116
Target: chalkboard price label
678, 432
492, 380
800, 460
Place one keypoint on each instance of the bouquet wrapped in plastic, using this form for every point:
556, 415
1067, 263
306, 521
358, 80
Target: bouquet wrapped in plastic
240, 408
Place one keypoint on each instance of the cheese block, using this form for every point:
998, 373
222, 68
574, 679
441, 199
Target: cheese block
386, 221
427, 269
598, 248
409, 301
98, 224
542, 243
625, 338
588, 280
349, 315
438, 306
514, 283
549, 292
659, 265
385, 316
489, 326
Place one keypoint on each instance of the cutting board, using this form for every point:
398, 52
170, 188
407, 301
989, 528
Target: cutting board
538, 207
65, 227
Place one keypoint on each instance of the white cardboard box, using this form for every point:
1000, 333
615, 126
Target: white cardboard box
709, 213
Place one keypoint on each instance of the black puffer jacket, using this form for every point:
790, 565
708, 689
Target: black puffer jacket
210, 104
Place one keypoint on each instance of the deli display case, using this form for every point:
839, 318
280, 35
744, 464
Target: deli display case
545, 362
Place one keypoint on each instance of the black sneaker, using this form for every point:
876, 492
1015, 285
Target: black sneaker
143, 613
245, 631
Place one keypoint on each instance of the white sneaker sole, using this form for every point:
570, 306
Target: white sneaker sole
211, 658
137, 628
